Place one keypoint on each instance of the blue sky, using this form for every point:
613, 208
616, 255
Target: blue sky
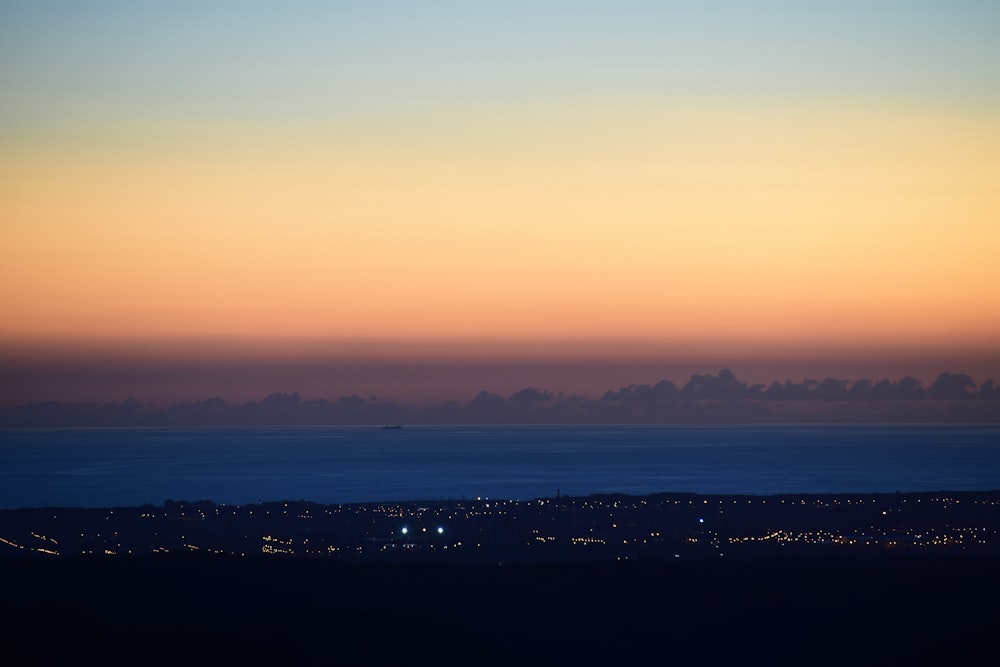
72, 59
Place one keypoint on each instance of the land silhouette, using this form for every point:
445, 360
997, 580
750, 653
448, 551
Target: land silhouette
868, 579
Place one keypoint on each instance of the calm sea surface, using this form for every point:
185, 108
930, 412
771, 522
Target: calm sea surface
132, 466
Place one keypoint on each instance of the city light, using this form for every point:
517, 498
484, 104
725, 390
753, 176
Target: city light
651, 525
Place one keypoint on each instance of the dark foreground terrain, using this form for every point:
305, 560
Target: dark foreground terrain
878, 579
203, 609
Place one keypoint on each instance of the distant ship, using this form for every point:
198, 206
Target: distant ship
395, 427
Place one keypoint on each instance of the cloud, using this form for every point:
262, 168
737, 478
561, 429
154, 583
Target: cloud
720, 387
952, 386
531, 395
706, 398
665, 390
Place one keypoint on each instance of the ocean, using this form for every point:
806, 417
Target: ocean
111, 467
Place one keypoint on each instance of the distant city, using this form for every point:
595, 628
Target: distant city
721, 398
663, 527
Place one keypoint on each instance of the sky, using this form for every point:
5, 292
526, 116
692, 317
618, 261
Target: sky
425, 199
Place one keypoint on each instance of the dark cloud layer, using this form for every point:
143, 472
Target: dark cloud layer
172, 376
705, 398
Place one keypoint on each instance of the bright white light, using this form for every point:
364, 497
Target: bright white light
701, 521
405, 530
440, 530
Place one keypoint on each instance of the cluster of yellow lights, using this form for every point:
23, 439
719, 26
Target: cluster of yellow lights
11, 543
872, 534
809, 537
269, 549
276, 545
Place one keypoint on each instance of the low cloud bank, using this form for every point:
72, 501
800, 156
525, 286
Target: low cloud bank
722, 398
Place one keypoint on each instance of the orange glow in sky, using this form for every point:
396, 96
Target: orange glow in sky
669, 225
543, 182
